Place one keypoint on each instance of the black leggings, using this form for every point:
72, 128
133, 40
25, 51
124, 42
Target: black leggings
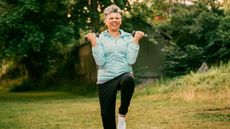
107, 97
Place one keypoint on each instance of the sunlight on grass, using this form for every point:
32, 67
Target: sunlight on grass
48, 110
56, 110
212, 86
194, 101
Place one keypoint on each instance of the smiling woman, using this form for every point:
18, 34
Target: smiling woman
113, 20
114, 51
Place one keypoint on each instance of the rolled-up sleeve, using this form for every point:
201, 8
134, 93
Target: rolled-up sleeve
98, 54
132, 54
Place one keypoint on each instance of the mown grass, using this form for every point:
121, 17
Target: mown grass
47, 110
194, 101
54, 110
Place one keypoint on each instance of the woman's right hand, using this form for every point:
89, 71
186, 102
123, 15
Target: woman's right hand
92, 38
137, 36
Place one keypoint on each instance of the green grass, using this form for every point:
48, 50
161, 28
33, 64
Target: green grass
211, 86
47, 110
194, 101
57, 110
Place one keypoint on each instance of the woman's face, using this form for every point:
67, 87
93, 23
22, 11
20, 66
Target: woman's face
113, 21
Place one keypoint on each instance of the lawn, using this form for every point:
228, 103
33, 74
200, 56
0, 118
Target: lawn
59, 110
48, 110
193, 101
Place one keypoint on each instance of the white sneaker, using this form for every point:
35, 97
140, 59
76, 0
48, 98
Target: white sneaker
121, 122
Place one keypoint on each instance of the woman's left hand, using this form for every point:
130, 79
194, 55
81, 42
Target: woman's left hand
137, 36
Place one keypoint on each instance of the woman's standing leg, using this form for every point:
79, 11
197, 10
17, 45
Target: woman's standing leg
107, 98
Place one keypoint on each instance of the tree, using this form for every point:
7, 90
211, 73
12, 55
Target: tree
201, 32
38, 34
33, 33
86, 14
226, 4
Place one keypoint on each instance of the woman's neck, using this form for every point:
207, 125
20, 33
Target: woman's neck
114, 34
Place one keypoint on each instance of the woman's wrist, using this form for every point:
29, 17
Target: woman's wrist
135, 41
93, 44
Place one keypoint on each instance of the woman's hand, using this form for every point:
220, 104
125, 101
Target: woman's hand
92, 38
137, 36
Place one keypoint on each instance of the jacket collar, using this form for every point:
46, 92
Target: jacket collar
123, 33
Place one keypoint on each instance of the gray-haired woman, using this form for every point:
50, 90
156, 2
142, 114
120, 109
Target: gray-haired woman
114, 51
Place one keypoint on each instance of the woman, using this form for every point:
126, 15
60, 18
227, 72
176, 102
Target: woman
114, 51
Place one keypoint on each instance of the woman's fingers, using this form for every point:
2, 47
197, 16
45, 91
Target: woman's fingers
92, 38
138, 35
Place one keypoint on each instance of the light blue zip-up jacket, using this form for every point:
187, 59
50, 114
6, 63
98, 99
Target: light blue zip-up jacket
114, 56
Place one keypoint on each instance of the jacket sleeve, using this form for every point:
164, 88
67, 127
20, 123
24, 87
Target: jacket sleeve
98, 54
132, 53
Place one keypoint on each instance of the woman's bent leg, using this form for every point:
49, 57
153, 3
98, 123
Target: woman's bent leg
127, 86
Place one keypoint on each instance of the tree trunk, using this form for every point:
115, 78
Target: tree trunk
95, 19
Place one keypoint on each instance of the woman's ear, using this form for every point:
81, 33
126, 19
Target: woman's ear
105, 22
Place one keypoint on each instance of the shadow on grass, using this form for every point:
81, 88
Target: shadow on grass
209, 116
214, 114
49, 90
78, 87
44, 96
35, 96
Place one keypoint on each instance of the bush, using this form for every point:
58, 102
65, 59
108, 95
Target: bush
200, 33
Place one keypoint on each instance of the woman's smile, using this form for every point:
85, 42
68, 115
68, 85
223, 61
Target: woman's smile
113, 21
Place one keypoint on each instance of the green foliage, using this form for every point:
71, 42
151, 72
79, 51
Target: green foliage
85, 15
31, 31
223, 35
176, 61
201, 33
160, 7
41, 34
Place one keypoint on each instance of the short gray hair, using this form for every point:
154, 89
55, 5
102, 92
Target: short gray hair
112, 9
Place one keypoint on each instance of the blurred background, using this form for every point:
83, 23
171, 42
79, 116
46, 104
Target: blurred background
42, 44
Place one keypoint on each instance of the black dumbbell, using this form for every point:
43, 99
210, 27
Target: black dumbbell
97, 35
133, 33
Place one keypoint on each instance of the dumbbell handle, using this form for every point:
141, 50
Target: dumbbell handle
133, 33
97, 35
